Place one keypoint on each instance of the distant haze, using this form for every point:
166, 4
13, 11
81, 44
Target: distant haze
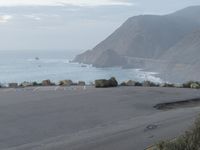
71, 24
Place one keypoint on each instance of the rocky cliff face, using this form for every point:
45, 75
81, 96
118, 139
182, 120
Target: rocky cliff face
152, 42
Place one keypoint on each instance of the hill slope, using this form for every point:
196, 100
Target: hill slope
146, 36
169, 44
182, 60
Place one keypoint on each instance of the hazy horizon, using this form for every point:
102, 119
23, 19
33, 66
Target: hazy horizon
69, 24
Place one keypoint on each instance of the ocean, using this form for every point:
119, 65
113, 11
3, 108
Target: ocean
20, 66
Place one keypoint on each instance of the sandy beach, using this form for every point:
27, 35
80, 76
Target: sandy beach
78, 118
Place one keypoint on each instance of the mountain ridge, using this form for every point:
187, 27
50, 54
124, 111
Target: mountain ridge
145, 37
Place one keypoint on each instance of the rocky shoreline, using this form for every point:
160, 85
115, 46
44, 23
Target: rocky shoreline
102, 83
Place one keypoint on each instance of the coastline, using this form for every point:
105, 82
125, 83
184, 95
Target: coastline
17, 68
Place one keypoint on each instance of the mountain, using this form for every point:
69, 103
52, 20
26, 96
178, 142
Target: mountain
182, 61
151, 42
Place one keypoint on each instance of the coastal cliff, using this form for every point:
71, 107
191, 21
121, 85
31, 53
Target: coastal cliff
153, 42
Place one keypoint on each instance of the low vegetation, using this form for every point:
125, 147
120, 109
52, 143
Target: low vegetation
189, 141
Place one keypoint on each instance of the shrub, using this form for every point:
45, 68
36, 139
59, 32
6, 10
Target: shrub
189, 141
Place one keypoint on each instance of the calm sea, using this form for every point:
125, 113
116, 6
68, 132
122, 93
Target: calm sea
19, 66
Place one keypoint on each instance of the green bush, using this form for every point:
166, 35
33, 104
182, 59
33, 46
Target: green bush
189, 141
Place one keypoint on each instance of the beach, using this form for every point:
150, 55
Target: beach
86, 118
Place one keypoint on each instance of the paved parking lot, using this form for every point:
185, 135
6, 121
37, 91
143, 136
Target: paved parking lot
78, 118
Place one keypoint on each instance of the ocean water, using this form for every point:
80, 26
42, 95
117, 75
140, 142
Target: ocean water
20, 66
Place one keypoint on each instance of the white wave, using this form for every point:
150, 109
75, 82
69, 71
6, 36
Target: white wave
49, 61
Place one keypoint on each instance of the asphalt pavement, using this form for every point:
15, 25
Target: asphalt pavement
85, 118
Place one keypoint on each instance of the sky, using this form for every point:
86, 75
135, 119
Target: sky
65, 2
71, 24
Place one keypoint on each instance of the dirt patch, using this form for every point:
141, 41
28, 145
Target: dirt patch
178, 104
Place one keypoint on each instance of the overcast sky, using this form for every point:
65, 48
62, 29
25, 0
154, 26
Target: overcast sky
71, 24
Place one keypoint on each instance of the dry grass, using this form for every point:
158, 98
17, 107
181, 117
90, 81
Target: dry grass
189, 141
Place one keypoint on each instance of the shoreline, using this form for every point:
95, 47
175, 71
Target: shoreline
130, 83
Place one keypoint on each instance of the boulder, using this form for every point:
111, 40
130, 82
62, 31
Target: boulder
66, 83
113, 82
26, 84
123, 84
103, 83
187, 84
13, 85
149, 84
81, 83
138, 84
36, 84
167, 85
130, 83
46, 83
191, 84
195, 86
